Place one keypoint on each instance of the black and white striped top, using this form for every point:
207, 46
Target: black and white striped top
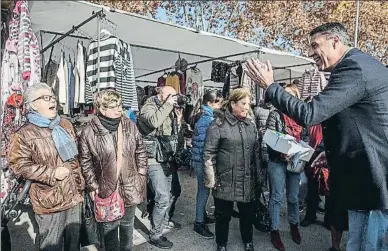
125, 77
116, 69
109, 51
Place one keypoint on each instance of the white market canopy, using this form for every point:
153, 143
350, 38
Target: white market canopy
155, 44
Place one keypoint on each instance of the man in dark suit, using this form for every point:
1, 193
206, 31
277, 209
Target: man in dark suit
353, 110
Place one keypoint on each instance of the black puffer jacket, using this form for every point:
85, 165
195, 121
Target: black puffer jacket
275, 122
261, 114
230, 157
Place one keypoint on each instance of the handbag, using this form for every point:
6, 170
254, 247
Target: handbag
262, 219
150, 143
112, 208
165, 148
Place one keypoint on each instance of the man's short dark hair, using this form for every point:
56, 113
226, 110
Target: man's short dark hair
337, 29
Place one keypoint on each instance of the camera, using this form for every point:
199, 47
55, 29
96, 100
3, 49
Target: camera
182, 100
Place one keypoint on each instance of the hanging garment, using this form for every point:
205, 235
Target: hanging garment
62, 94
71, 84
65, 106
109, 51
182, 82
173, 81
10, 73
219, 71
80, 90
194, 85
226, 87
52, 80
13, 120
312, 83
76, 87
247, 82
161, 81
28, 47
125, 77
234, 80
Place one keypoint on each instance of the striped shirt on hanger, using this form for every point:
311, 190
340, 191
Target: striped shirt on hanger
125, 77
312, 83
109, 51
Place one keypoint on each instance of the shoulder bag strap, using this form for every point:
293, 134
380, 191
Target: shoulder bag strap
119, 152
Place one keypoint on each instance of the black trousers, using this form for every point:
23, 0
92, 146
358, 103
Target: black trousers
223, 214
312, 199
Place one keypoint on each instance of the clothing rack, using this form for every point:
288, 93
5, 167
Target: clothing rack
224, 58
94, 15
60, 34
200, 62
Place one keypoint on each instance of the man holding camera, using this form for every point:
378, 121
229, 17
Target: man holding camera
161, 118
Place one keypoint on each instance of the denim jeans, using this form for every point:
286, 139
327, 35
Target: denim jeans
202, 193
161, 185
279, 178
368, 230
118, 235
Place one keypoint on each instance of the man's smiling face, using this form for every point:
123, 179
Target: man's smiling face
322, 50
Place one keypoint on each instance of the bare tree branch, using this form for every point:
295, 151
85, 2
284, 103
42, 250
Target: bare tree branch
227, 26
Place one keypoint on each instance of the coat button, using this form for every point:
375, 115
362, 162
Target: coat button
247, 147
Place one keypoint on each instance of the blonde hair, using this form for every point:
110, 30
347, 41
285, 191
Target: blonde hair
235, 96
105, 98
293, 88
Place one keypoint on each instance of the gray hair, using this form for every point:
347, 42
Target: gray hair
336, 29
29, 94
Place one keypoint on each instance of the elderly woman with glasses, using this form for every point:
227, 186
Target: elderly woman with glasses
114, 159
45, 152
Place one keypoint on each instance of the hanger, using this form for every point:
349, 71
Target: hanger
104, 33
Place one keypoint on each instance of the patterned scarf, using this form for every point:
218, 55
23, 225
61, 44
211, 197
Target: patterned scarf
66, 147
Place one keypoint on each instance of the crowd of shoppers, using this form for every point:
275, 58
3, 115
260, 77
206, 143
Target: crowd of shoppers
110, 163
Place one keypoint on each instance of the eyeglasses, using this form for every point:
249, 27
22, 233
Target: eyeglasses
46, 98
115, 107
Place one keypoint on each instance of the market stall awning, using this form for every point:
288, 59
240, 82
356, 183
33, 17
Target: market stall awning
155, 44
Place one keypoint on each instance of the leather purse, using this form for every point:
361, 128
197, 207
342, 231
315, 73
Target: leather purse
112, 208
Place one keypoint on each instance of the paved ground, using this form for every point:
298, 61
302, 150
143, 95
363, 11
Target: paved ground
315, 238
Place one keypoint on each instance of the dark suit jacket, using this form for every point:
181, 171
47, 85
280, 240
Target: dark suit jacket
353, 110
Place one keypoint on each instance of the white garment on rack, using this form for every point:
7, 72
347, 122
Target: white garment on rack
66, 104
62, 94
80, 66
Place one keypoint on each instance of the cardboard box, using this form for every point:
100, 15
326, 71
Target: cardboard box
287, 144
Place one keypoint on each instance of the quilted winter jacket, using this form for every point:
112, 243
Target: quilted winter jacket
275, 122
230, 158
200, 134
